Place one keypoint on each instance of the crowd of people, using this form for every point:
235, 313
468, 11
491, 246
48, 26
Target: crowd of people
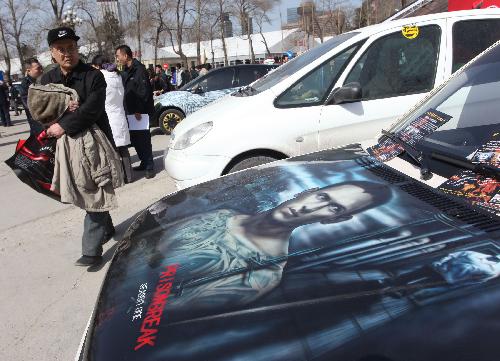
165, 80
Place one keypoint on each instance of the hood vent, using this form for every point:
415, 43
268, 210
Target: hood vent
453, 207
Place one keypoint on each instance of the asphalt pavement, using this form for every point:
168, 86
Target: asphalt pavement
46, 301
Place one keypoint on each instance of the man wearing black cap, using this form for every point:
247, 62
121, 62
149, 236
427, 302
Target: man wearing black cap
91, 88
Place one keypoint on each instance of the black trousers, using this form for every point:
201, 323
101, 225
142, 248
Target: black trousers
5, 115
141, 140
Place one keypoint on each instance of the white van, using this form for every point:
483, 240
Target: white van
342, 91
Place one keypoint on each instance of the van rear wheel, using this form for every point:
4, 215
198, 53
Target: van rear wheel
250, 162
169, 119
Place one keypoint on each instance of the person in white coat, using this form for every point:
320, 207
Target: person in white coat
115, 111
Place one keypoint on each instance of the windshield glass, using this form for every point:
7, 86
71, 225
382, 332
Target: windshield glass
471, 102
193, 83
298, 63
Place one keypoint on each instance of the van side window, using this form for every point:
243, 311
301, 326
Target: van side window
394, 65
471, 37
314, 87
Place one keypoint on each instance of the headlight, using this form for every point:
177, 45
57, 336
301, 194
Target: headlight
192, 136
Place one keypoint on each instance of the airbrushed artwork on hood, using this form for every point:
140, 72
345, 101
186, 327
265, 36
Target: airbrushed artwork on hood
188, 102
308, 259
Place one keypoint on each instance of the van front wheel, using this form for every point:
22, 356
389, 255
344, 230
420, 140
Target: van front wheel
250, 162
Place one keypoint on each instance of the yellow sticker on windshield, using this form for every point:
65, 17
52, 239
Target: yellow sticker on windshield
410, 31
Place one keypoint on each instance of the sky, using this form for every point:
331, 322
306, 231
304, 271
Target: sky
275, 14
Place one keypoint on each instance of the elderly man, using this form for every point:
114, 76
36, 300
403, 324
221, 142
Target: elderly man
91, 88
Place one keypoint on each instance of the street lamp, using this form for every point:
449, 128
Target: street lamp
70, 19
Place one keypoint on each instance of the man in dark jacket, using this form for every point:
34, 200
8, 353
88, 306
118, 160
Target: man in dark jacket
91, 88
4, 104
33, 71
139, 107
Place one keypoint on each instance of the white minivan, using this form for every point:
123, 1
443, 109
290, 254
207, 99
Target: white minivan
342, 91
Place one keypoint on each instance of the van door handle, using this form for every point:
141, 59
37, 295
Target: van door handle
299, 139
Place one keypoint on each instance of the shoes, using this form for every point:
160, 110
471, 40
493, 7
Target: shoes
139, 168
150, 173
88, 261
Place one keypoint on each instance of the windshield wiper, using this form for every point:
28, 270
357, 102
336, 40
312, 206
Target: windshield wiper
412, 152
483, 169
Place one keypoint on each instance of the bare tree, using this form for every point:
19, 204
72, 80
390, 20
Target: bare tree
222, 10
6, 52
158, 10
91, 17
179, 14
245, 11
57, 7
18, 13
138, 24
261, 18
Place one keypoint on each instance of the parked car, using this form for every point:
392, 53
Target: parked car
334, 255
172, 107
343, 91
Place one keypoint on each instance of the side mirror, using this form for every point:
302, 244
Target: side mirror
349, 93
197, 90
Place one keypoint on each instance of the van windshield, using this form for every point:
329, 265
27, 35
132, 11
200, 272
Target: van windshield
296, 64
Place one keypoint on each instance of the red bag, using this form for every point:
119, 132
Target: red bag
33, 162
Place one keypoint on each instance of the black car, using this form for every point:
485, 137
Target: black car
172, 107
381, 252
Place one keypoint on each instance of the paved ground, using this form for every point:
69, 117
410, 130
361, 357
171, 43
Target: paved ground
45, 301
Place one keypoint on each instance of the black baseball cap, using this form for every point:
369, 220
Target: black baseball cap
60, 33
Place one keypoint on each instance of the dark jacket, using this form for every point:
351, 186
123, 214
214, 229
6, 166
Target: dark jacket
138, 93
25, 84
90, 85
4, 94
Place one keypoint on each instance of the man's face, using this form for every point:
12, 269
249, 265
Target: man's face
65, 52
35, 70
322, 205
158, 70
121, 57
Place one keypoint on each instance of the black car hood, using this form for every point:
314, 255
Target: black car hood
407, 274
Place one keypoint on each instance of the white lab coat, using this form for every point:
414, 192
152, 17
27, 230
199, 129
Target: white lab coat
114, 108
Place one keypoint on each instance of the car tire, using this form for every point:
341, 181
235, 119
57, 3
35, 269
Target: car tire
250, 162
169, 119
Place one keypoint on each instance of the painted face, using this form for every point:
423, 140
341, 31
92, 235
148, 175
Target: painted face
321, 205
65, 52
121, 57
484, 157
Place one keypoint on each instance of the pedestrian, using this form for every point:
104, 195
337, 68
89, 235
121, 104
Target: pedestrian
160, 72
139, 107
203, 70
173, 80
193, 73
158, 85
13, 97
182, 75
4, 104
33, 72
115, 111
81, 116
